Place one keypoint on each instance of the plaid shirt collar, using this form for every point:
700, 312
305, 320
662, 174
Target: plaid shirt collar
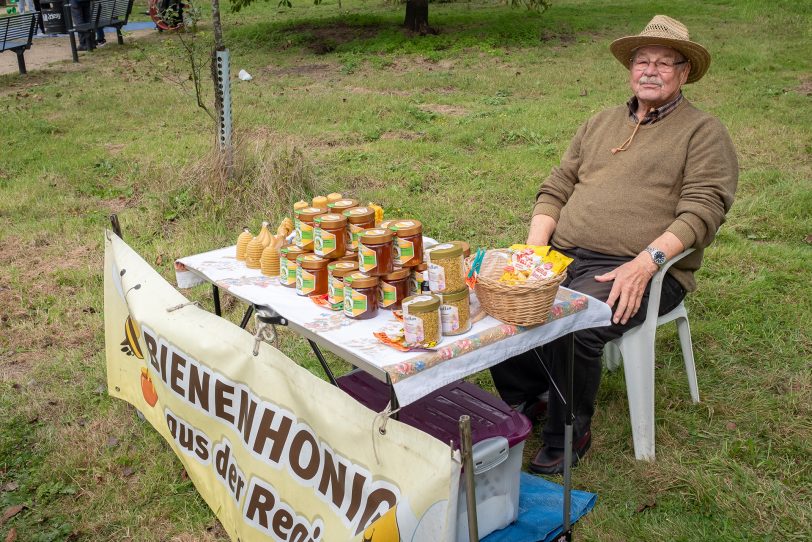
658, 114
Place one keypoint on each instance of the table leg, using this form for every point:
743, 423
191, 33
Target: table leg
323, 362
215, 294
247, 316
393, 399
570, 362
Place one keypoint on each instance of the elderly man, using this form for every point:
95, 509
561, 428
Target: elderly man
639, 184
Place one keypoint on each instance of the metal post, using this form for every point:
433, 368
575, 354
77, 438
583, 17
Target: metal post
224, 88
247, 316
466, 447
116, 226
570, 361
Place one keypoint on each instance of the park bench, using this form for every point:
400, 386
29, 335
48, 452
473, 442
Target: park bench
103, 13
16, 33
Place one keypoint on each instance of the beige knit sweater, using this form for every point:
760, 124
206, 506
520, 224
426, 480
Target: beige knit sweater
678, 175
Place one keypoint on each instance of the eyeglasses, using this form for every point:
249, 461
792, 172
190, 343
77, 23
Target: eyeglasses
663, 66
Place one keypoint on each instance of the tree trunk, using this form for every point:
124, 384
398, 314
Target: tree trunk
417, 16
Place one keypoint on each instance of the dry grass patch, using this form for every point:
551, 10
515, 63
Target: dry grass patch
444, 109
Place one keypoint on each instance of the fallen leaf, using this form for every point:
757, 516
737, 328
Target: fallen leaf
10, 512
112, 442
89, 310
643, 506
159, 260
12, 535
808, 239
10, 486
584, 92
730, 426
128, 471
184, 475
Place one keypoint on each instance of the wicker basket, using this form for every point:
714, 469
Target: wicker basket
525, 304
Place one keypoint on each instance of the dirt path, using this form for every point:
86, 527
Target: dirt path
45, 51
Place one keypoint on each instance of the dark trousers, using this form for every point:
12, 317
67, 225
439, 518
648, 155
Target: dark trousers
80, 13
522, 377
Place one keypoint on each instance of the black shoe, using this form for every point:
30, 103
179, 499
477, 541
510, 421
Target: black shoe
550, 460
101, 43
82, 48
535, 410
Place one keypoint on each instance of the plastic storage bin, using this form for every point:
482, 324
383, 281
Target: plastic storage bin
498, 435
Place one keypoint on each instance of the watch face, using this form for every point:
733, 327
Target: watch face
659, 257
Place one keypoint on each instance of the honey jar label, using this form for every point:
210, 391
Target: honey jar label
324, 242
404, 252
287, 272
355, 303
387, 294
355, 236
413, 329
335, 292
436, 277
304, 234
367, 259
450, 318
305, 282
414, 283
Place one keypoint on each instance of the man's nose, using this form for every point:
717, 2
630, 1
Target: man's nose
651, 69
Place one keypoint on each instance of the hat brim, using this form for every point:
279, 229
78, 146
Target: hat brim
623, 48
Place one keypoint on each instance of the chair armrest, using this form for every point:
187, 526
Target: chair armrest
653, 307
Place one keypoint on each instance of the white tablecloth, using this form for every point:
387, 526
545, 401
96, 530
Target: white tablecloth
413, 374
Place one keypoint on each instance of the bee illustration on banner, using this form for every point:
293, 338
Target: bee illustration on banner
384, 529
130, 344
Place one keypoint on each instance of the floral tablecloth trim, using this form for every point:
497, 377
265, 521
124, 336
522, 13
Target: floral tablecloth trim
261, 282
566, 303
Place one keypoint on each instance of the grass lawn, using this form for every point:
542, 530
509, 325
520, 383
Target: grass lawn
455, 129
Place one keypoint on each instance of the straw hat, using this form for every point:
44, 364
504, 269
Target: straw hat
668, 32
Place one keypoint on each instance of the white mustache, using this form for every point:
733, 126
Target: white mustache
645, 80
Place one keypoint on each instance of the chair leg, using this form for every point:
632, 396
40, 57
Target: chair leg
611, 356
684, 330
638, 366
119, 36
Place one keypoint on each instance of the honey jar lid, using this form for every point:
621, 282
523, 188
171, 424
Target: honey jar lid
342, 204
466, 248
359, 214
423, 266
311, 261
291, 252
349, 256
445, 250
310, 212
342, 268
360, 280
376, 236
454, 296
332, 220
388, 222
417, 304
407, 227
397, 274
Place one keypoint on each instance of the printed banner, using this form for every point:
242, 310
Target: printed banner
277, 453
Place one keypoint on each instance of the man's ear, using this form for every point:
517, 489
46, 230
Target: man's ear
684, 75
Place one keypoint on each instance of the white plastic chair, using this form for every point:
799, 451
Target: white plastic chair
636, 348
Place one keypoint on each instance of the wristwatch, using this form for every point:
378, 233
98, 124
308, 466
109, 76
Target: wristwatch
657, 255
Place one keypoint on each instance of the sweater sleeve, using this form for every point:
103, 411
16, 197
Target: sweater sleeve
559, 185
708, 187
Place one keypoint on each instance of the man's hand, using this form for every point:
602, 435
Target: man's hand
630, 281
